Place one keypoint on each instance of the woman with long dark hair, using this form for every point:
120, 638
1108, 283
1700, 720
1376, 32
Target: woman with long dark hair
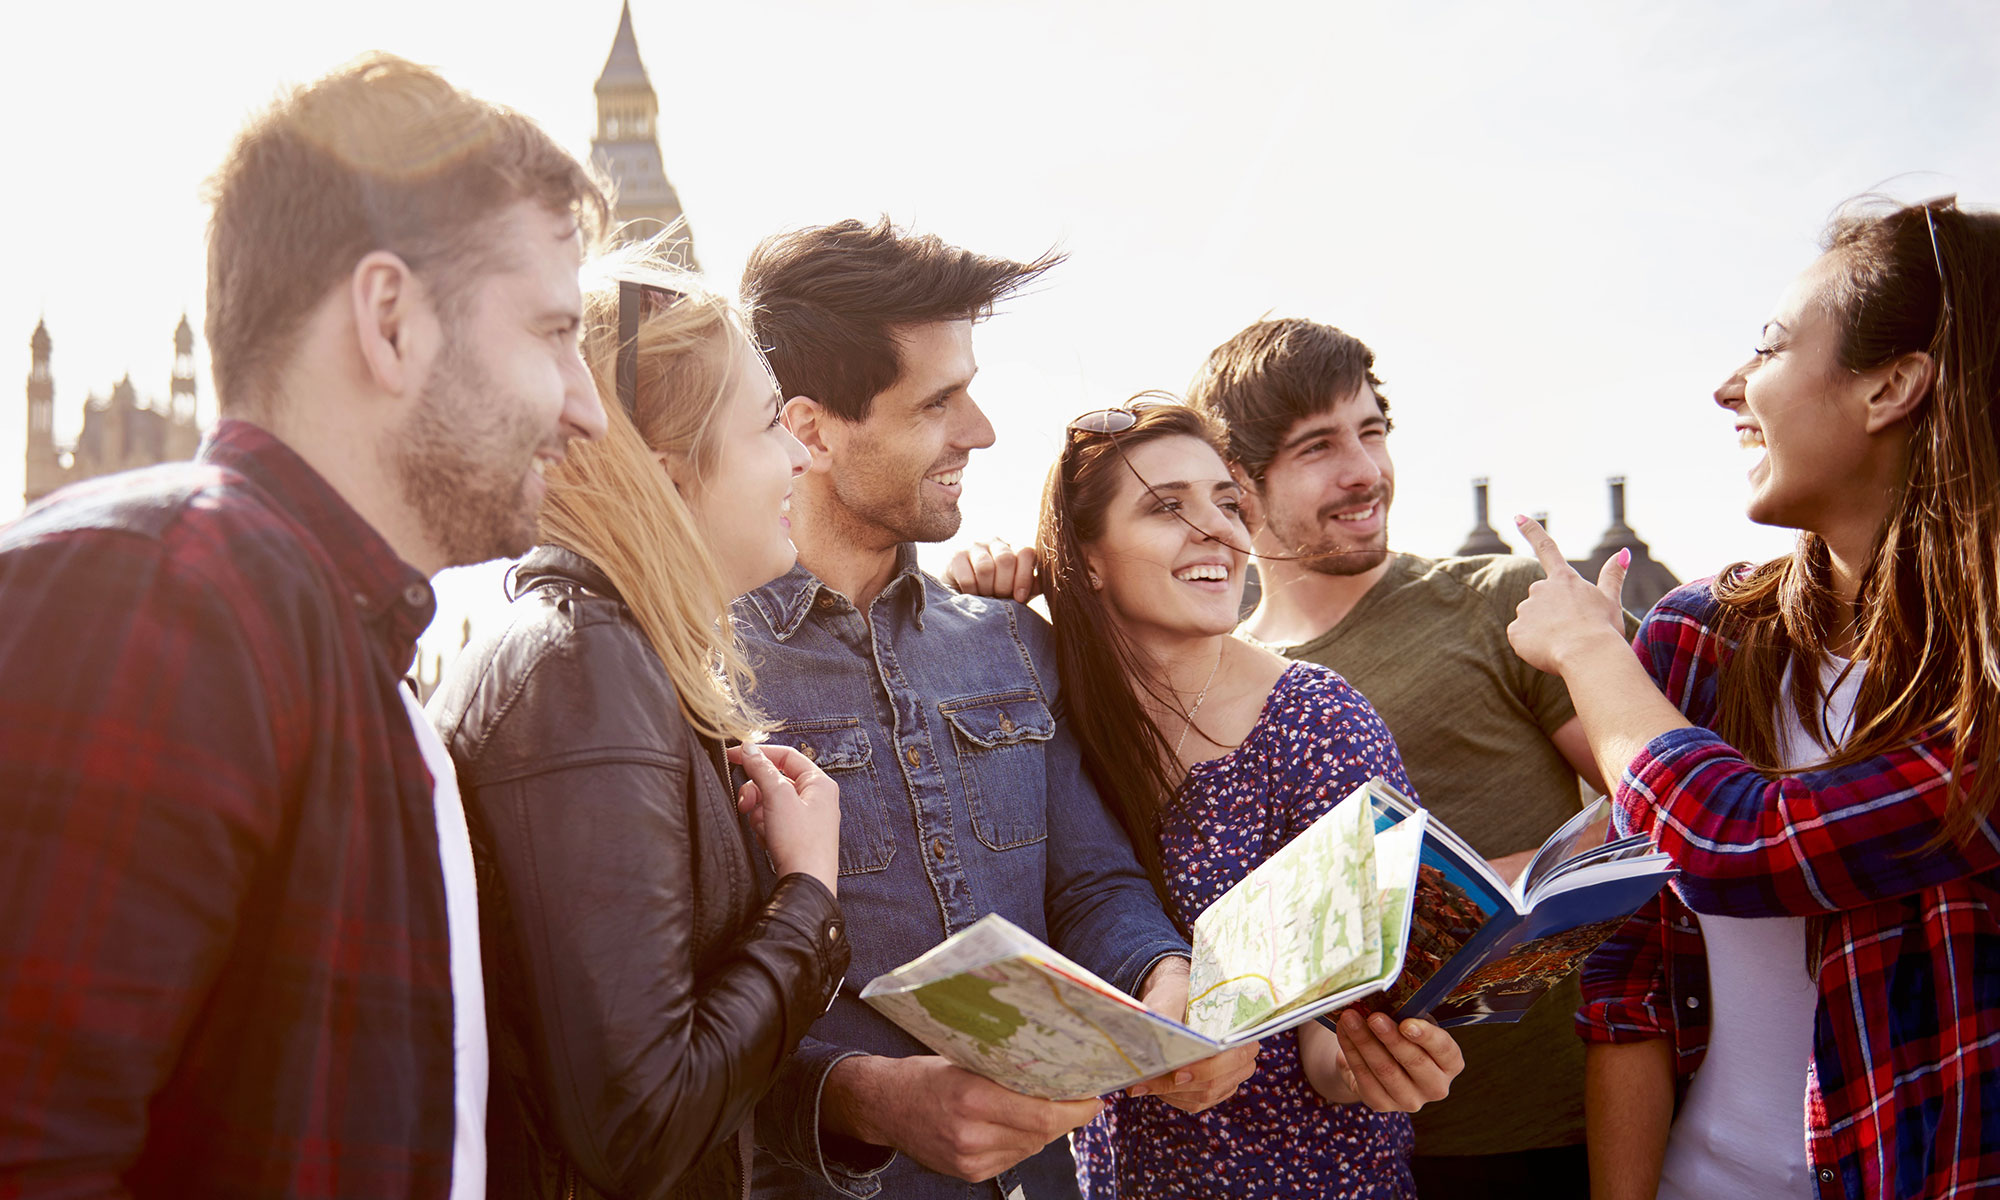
1214, 753
1819, 995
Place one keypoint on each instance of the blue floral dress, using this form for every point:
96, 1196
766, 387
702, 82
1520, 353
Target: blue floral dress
1316, 740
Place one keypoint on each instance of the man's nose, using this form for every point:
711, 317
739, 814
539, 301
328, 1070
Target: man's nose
583, 408
976, 433
1358, 468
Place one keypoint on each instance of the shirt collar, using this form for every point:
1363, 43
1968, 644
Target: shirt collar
785, 601
395, 599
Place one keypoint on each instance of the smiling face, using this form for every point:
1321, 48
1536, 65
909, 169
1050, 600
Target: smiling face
1805, 418
1327, 489
505, 393
898, 473
1160, 574
742, 507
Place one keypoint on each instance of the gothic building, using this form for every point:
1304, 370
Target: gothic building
626, 149
119, 432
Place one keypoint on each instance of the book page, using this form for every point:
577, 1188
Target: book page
1305, 923
1036, 1030
1580, 833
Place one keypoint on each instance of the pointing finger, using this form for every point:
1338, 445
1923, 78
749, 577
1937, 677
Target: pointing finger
1544, 546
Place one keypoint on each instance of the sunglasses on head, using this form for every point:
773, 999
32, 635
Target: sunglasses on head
1114, 420
636, 302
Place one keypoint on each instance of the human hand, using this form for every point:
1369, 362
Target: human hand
1198, 1085
795, 807
1564, 612
948, 1119
1386, 1066
995, 568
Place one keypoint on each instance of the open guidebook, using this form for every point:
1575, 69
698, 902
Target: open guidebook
1324, 923
1482, 951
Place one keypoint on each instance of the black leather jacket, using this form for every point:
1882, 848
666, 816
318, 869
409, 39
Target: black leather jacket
640, 992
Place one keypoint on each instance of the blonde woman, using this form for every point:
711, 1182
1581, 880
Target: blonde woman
642, 993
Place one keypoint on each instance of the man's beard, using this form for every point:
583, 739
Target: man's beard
1322, 552
461, 463
910, 520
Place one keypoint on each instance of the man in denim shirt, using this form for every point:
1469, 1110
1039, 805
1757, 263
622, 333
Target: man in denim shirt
960, 792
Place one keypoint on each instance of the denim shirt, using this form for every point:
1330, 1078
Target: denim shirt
961, 794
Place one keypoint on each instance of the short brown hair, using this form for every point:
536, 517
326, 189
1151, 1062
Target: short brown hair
828, 300
1264, 380
380, 155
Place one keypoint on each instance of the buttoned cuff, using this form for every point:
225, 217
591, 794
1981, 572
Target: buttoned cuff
788, 1126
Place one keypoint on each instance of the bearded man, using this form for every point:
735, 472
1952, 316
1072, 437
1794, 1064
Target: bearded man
239, 942
1492, 745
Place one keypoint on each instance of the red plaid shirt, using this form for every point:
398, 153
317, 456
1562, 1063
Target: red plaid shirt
223, 954
1903, 1095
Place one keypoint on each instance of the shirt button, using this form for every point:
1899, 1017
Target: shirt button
1826, 1174
832, 934
416, 595
916, 760
1694, 1001
826, 600
1687, 922
937, 847
806, 748
1006, 726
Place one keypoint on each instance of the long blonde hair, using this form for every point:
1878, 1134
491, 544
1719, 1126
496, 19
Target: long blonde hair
612, 502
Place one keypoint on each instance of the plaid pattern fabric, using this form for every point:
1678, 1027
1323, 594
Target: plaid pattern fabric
1903, 1099
223, 952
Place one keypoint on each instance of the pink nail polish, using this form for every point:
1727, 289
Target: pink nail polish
1625, 557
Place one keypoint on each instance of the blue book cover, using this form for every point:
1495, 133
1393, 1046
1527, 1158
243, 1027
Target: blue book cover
1482, 951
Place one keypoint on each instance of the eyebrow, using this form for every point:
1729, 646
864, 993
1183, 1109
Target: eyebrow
1182, 485
1329, 428
950, 389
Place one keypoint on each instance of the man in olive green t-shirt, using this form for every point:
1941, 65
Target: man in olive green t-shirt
1492, 745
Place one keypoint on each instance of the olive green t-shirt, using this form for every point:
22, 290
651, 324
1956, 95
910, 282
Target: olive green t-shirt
1428, 647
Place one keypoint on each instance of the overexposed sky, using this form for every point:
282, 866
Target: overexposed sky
1558, 224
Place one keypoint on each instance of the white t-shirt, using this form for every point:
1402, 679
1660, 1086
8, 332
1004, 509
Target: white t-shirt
468, 987
1741, 1130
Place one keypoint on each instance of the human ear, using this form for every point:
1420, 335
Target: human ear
1900, 389
810, 422
1252, 500
393, 321
675, 469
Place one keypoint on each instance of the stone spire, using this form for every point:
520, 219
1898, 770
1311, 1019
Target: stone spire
627, 146
1482, 539
1646, 579
181, 395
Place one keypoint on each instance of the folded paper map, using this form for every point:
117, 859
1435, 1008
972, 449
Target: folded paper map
1317, 926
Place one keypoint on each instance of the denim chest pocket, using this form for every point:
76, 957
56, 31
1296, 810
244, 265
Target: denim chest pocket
840, 748
1001, 741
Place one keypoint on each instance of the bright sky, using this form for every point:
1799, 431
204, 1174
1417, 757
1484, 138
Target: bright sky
1558, 224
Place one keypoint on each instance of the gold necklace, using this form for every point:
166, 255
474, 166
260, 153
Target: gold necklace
1198, 699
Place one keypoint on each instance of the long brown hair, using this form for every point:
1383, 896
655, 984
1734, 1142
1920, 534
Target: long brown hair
1125, 753
613, 503
1915, 279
